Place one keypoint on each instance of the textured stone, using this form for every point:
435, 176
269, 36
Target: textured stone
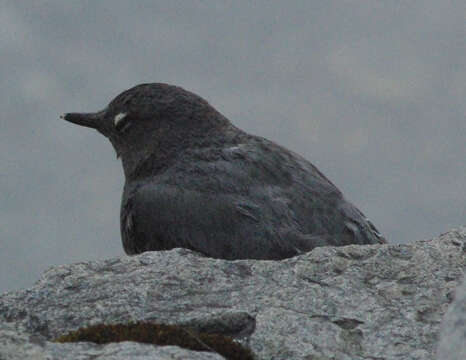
17, 345
452, 345
353, 302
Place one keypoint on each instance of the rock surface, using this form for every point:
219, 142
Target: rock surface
353, 302
452, 345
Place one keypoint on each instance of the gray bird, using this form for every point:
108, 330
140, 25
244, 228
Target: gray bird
194, 180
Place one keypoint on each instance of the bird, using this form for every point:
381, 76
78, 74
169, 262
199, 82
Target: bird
194, 180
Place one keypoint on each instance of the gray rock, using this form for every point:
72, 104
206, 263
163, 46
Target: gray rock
18, 345
452, 345
352, 302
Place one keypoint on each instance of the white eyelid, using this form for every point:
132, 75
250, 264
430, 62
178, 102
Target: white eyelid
118, 118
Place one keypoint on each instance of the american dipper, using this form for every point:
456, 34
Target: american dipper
194, 180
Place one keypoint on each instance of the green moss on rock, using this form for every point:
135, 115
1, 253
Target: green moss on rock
159, 334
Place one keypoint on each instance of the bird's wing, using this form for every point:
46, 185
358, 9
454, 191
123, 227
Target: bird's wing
324, 215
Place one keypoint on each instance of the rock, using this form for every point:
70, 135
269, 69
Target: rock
452, 345
19, 345
353, 302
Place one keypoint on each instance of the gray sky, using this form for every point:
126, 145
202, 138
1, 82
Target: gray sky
371, 92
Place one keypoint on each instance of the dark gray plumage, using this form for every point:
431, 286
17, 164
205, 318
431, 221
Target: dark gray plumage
194, 180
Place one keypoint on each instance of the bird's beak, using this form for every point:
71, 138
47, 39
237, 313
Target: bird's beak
92, 120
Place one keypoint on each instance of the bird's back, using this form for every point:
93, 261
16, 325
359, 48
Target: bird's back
240, 196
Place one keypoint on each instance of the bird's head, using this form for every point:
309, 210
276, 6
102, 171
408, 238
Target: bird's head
149, 120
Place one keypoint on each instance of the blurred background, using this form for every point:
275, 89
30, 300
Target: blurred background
371, 92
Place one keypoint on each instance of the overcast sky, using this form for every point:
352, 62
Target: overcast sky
372, 92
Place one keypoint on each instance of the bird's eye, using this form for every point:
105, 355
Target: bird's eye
121, 121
